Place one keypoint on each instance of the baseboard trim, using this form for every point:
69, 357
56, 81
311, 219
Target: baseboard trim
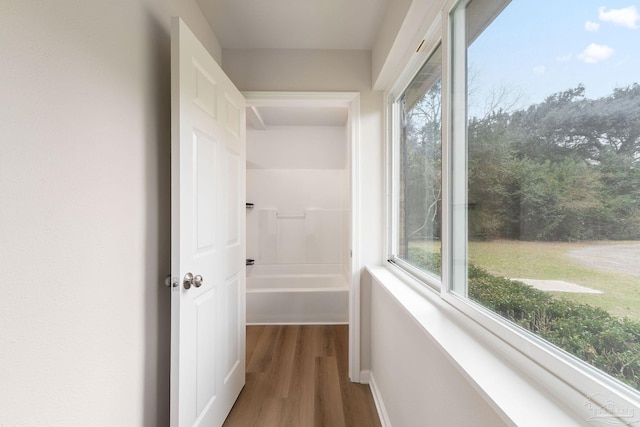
377, 399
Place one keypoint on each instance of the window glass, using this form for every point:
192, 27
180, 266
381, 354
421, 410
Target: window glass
552, 179
419, 169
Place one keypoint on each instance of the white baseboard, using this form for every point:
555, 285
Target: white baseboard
377, 399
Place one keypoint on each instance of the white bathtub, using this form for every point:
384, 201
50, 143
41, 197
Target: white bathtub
297, 294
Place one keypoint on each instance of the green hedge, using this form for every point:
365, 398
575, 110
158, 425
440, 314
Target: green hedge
607, 342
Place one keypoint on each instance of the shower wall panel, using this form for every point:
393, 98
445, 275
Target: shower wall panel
298, 180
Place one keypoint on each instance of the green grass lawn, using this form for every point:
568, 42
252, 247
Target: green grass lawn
589, 326
550, 260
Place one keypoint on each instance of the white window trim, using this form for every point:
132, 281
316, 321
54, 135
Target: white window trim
570, 380
430, 42
481, 357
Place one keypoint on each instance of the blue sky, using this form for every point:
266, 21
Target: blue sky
539, 47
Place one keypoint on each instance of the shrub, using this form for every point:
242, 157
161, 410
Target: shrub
607, 342
590, 333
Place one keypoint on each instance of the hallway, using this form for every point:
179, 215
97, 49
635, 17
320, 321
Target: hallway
297, 377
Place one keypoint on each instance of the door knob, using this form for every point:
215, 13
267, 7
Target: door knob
191, 280
197, 281
188, 281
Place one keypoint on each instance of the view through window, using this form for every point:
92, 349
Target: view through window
553, 174
419, 169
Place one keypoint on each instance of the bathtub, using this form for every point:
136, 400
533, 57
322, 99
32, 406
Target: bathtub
297, 294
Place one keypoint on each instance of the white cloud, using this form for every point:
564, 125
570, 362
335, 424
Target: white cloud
564, 58
626, 17
540, 69
595, 53
591, 26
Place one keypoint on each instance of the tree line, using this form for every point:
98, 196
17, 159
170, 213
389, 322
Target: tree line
565, 169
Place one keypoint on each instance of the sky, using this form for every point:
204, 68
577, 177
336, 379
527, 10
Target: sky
535, 48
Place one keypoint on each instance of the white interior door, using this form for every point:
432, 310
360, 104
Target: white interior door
208, 157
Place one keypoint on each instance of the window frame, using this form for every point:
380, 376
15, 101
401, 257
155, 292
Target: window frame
530, 350
428, 45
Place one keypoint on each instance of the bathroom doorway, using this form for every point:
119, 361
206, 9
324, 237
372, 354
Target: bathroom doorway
302, 199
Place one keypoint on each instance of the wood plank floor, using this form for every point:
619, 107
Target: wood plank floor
297, 376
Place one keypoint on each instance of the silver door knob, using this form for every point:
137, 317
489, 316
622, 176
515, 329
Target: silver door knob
197, 281
188, 281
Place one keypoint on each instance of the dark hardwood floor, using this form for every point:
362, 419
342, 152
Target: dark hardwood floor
297, 376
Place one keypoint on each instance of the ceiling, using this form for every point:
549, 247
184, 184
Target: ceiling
295, 24
259, 118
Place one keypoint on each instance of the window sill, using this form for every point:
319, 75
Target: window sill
521, 391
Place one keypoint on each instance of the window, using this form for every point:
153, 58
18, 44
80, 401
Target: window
418, 167
539, 231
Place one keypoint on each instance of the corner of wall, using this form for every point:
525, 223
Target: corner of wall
405, 25
377, 400
389, 29
365, 326
193, 16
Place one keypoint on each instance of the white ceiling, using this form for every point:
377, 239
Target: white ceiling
295, 24
264, 116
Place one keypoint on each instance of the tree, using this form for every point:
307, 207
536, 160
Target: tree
421, 191
565, 169
491, 169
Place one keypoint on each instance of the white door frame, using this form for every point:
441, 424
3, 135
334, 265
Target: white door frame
350, 100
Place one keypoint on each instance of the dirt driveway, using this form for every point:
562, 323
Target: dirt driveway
620, 258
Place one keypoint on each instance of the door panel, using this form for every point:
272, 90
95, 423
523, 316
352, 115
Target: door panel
206, 95
234, 117
205, 154
232, 347
232, 168
208, 189
206, 349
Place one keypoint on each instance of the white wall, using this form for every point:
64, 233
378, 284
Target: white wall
190, 12
297, 147
391, 24
417, 382
405, 25
295, 170
84, 216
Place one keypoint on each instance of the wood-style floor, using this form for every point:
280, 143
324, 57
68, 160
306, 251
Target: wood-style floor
297, 376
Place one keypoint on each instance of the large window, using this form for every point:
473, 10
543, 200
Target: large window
541, 226
418, 170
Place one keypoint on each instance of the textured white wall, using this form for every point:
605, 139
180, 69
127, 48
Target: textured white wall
84, 211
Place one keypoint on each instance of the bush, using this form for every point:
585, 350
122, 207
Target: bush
590, 333
607, 342
426, 260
